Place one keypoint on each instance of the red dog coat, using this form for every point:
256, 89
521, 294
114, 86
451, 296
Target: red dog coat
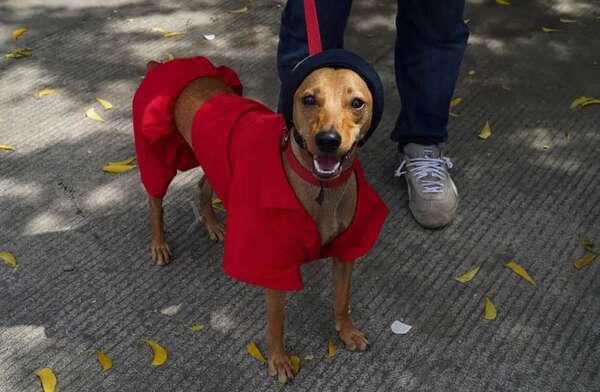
237, 142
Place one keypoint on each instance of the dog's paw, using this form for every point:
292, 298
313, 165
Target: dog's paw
216, 230
353, 339
161, 254
280, 366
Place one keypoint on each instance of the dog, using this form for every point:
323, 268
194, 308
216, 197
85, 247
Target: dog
291, 195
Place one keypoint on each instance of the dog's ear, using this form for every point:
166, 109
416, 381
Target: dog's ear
151, 64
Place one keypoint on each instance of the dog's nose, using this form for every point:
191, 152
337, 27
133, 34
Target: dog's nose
328, 141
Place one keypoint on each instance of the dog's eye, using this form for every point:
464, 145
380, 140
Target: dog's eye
357, 103
309, 100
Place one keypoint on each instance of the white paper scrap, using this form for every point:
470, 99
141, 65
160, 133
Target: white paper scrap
399, 328
209, 37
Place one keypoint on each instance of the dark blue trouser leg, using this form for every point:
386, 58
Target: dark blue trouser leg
293, 45
431, 38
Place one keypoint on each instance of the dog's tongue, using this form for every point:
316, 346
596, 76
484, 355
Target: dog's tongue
326, 164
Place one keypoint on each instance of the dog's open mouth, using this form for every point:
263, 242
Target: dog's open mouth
326, 166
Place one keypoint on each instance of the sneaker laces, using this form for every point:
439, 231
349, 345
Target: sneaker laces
429, 172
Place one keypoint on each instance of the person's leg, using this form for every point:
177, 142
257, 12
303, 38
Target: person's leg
293, 45
430, 44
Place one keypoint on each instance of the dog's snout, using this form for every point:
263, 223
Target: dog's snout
328, 141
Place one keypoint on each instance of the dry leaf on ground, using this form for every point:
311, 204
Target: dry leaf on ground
255, 353
550, 30
171, 34
455, 102
587, 245
195, 327
19, 53
47, 378
7, 147
295, 360
467, 276
44, 92
159, 352
9, 259
331, 349
584, 261
104, 360
116, 169
565, 20
582, 102
239, 10
104, 103
486, 131
91, 113
158, 30
517, 269
489, 310
502, 2
18, 33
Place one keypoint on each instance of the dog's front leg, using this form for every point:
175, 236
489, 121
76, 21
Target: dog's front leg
279, 362
342, 278
161, 254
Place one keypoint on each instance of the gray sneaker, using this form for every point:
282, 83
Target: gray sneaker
432, 195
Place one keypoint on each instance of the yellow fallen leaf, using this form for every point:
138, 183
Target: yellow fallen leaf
466, 277
565, 20
160, 354
563, 279
489, 310
7, 147
331, 349
587, 245
549, 29
452, 114
582, 102
170, 56
9, 259
104, 360
195, 327
584, 261
455, 101
158, 30
255, 353
472, 72
116, 168
91, 113
502, 2
44, 92
47, 378
295, 364
239, 10
173, 34
517, 269
486, 132
104, 103
18, 33
19, 53
127, 161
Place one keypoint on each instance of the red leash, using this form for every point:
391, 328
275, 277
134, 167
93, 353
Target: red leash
312, 27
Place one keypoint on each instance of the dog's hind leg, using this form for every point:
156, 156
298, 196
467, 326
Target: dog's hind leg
215, 229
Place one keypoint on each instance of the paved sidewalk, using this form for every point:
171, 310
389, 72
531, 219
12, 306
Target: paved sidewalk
85, 281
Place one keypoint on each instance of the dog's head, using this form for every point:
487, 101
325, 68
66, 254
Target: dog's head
332, 111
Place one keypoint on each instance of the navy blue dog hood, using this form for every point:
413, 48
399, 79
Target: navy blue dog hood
333, 58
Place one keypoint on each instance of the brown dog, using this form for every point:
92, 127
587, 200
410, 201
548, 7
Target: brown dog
332, 111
